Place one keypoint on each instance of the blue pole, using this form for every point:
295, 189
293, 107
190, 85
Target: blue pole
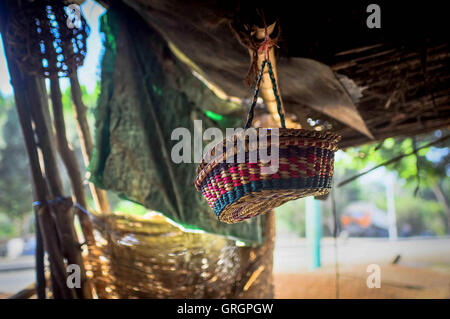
313, 232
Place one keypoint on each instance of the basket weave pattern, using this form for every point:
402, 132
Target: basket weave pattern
238, 191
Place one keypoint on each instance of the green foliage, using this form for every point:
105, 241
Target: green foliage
423, 216
421, 177
15, 185
422, 213
291, 217
410, 168
89, 99
7, 228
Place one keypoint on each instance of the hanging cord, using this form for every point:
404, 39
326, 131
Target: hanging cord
335, 234
251, 112
62, 199
277, 97
98, 221
267, 42
245, 34
264, 48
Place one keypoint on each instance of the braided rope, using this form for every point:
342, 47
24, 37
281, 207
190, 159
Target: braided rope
251, 112
277, 97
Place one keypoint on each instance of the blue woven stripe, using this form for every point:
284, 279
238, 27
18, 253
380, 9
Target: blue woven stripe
256, 186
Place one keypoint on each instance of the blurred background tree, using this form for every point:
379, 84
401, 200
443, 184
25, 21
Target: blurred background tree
15, 186
422, 186
424, 175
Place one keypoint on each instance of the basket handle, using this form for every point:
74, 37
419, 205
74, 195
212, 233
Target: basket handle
251, 112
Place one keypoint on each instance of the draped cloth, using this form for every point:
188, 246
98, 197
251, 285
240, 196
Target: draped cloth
147, 92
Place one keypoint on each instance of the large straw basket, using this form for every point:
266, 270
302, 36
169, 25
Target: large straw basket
238, 191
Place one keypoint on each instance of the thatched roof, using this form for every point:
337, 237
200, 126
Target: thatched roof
401, 71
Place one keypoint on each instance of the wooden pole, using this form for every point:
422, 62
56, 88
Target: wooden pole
55, 222
313, 231
73, 170
390, 199
99, 195
45, 221
64, 148
24, 106
256, 274
266, 83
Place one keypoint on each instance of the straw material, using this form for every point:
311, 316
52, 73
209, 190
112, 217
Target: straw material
152, 258
238, 191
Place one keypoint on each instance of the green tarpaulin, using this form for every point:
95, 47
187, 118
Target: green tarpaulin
146, 92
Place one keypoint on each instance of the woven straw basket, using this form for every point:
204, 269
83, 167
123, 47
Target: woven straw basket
238, 191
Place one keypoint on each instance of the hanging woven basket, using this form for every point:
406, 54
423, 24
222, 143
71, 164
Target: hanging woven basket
46, 37
237, 191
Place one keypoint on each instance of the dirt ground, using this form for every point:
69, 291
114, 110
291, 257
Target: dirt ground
396, 282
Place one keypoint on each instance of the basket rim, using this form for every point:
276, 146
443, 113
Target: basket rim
285, 134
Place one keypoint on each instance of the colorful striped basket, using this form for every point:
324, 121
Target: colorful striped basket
238, 191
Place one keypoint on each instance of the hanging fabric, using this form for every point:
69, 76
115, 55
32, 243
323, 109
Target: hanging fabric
146, 93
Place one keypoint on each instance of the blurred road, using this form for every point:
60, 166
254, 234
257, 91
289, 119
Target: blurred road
16, 274
291, 254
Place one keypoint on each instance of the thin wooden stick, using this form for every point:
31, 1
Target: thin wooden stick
99, 195
73, 170
25, 293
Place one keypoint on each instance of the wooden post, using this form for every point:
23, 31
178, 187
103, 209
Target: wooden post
45, 221
56, 220
266, 83
99, 195
68, 157
66, 222
390, 197
313, 231
256, 263
24, 106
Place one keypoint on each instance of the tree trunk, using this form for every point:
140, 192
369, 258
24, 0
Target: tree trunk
437, 190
